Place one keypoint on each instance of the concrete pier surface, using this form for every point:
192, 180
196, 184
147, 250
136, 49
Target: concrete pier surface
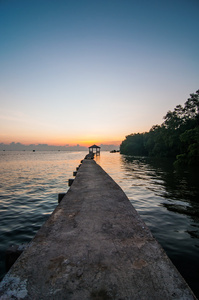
94, 246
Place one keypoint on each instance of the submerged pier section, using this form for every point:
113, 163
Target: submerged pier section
94, 246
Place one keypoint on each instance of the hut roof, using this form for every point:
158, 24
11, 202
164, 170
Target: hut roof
94, 146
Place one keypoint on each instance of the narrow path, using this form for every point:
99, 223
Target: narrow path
94, 246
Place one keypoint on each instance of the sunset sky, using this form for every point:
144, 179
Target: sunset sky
87, 72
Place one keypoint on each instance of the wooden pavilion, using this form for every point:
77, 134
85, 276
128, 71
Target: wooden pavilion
94, 149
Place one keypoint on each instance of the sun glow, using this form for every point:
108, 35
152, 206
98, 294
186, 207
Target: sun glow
71, 84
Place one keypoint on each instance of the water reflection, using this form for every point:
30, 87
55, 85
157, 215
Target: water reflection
179, 187
167, 200
29, 185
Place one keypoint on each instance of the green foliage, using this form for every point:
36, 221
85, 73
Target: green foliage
134, 143
177, 136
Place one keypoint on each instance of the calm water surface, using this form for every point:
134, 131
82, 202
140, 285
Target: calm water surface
166, 199
29, 187
168, 202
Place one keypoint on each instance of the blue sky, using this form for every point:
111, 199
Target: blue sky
93, 71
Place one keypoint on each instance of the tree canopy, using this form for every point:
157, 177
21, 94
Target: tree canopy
176, 137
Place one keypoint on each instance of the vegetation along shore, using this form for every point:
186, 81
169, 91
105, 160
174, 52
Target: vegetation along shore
177, 137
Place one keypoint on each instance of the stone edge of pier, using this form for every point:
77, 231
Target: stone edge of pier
94, 246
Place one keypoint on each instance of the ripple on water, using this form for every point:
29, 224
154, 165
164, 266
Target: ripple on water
30, 182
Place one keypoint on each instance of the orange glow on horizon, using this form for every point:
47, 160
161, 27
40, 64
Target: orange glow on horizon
88, 143
79, 141
62, 142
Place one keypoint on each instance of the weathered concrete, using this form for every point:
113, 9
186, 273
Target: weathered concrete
70, 181
90, 156
12, 253
94, 246
61, 196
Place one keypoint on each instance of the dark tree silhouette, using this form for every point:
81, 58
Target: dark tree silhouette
177, 136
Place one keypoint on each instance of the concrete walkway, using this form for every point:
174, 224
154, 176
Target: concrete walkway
94, 246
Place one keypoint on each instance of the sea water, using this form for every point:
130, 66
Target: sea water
166, 199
